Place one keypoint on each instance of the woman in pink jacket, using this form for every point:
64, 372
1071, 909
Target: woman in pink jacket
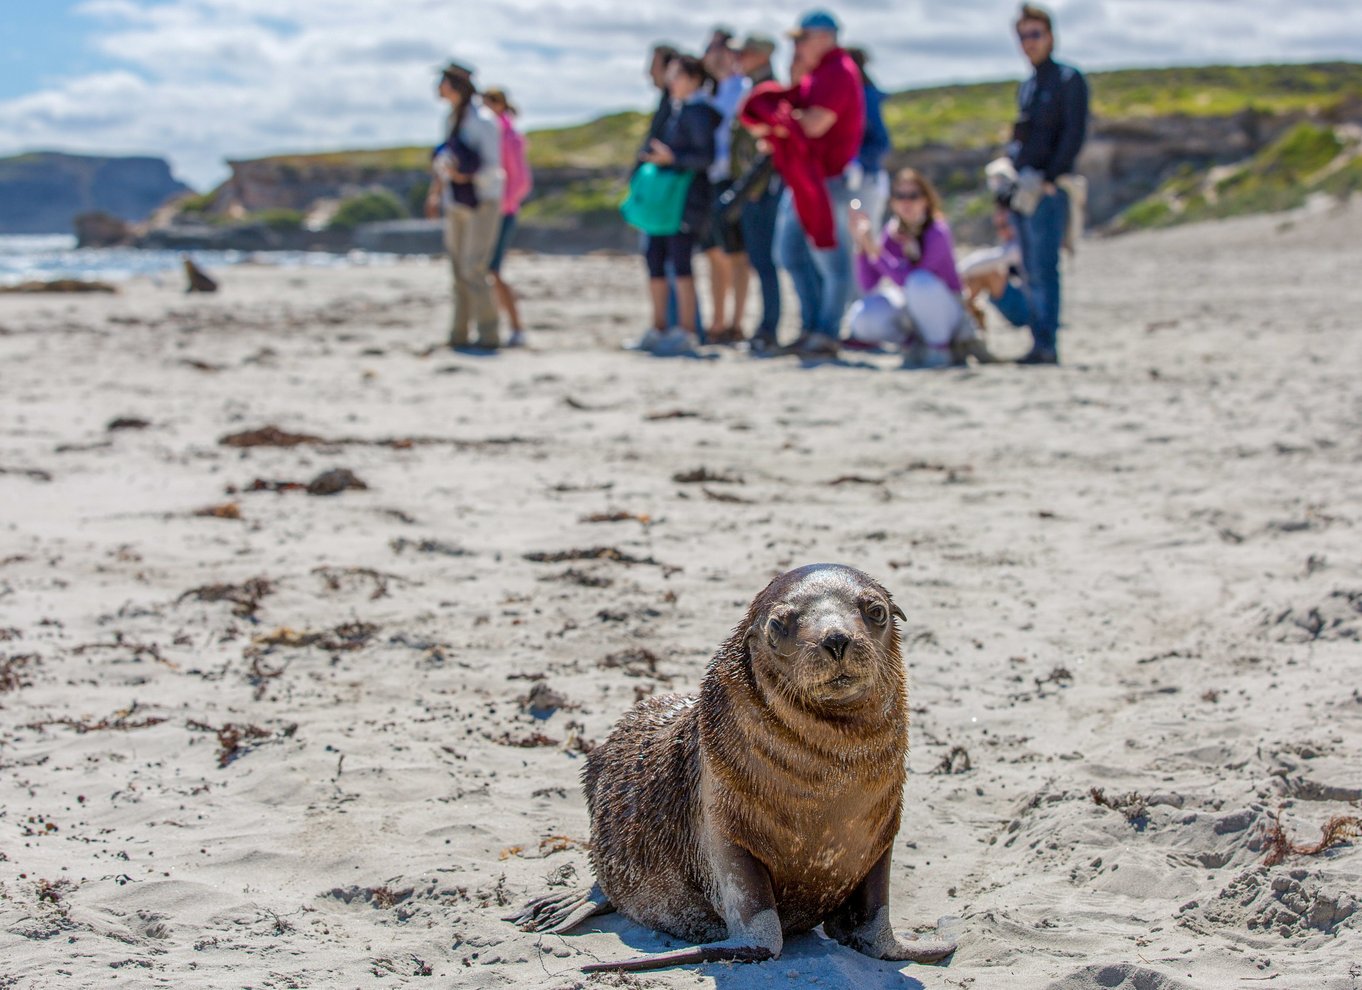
517, 188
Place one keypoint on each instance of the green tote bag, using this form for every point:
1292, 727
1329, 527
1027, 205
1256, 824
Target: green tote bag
657, 199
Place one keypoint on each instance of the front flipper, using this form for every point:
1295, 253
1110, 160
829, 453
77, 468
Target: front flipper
560, 913
862, 923
748, 905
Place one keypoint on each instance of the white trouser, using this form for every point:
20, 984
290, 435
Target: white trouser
925, 303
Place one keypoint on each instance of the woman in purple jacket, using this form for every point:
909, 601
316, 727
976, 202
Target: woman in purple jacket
908, 276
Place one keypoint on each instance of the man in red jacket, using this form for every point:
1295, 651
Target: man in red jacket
829, 108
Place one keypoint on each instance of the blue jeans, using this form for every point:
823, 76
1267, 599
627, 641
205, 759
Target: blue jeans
1041, 235
1013, 305
758, 233
822, 277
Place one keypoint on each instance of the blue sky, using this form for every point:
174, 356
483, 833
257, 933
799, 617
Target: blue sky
44, 41
202, 81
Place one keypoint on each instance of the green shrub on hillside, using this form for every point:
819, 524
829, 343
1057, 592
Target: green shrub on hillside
279, 219
1279, 177
1344, 181
368, 208
197, 204
416, 198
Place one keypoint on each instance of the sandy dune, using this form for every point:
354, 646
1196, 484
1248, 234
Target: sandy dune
323, 740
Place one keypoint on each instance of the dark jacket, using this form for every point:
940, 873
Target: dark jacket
1052, 120
689, 131
875, 145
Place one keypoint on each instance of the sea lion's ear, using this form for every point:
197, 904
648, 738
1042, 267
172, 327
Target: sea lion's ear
896, 610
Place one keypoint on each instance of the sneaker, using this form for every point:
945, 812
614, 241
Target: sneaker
517, 339
1038, 356
676, 342
920, 357
763, 345
647, 342
816, 345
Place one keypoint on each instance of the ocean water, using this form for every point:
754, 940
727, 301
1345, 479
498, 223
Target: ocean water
43, 257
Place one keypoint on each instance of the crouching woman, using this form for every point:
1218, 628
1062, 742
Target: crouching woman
908, 277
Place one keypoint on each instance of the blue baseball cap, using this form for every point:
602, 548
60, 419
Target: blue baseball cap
814, 20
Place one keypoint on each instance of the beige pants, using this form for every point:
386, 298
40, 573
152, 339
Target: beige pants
470, 237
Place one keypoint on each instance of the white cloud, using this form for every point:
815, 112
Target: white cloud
204, 80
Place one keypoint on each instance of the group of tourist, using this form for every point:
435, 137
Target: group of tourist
481, 176
758, 175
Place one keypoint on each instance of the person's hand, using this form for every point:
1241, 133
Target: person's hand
863, 235
659, 154
432, 207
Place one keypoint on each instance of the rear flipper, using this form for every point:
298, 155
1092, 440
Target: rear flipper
729, 950
754, 929
560, 913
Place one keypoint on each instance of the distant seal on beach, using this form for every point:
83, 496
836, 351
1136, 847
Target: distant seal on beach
769, 804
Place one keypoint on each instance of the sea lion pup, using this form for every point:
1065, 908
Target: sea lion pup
769, 804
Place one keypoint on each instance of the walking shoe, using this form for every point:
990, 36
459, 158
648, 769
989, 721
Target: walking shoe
517, 339
763, 345
676, 342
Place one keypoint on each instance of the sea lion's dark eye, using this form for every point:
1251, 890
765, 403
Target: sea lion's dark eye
877, 613
775, 631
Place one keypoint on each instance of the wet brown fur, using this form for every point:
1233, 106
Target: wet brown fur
810, 786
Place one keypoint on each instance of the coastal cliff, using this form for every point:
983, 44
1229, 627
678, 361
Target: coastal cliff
43, 192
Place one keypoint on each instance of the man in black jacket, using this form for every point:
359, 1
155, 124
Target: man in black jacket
1052, 121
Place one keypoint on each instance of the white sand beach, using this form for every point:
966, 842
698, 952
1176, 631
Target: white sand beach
327, 740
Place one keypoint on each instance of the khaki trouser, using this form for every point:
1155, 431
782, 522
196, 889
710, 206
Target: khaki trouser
470, 237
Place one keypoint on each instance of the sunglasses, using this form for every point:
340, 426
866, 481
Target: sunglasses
910, 196
1031, 35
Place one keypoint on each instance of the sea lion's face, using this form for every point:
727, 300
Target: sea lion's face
826, 634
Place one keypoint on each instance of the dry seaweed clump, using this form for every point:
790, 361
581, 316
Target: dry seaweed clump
237, 739
12, 671
1336, 831
245, 597
1133, 805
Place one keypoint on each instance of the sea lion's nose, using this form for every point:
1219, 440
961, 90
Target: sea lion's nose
836, 644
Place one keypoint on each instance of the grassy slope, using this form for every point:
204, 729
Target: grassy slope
965, 116
1307, 159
